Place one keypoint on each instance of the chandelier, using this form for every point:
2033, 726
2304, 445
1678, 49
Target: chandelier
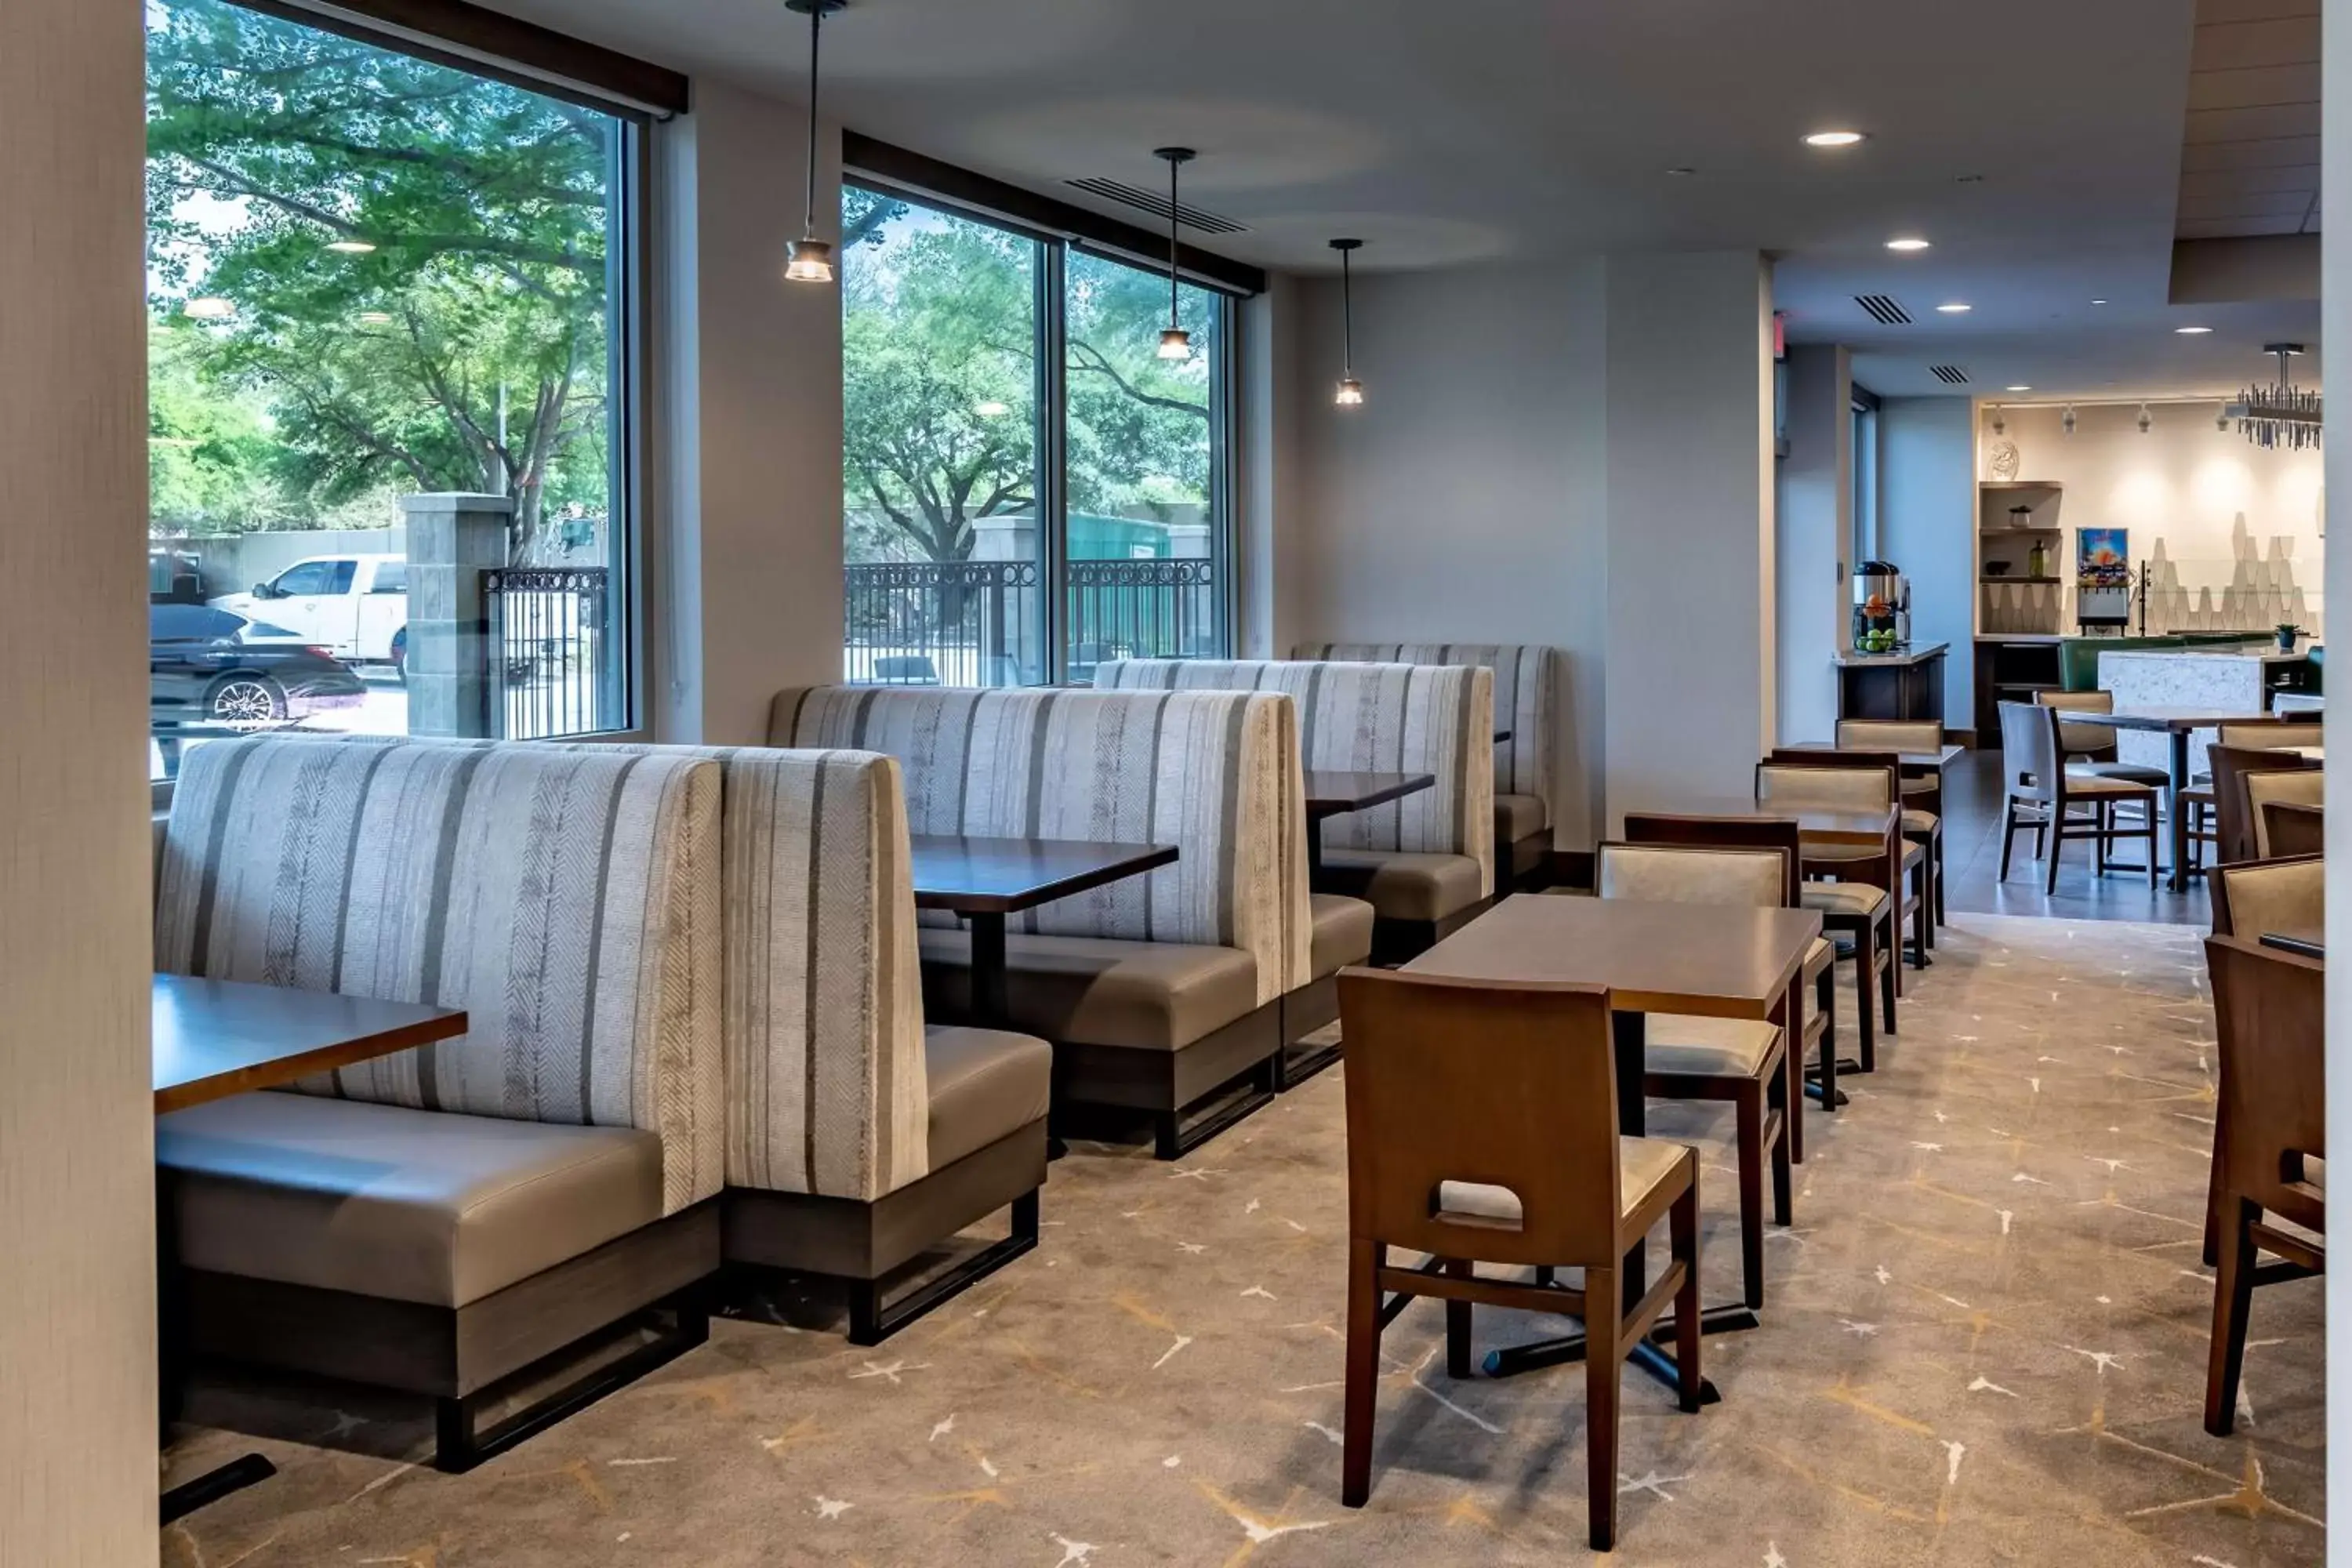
2282, 414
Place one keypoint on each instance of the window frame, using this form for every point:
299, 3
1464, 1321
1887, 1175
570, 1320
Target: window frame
1050, 277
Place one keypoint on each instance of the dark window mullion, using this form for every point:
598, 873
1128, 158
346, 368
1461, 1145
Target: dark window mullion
1053, 478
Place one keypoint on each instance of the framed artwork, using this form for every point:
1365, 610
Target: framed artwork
2103, 558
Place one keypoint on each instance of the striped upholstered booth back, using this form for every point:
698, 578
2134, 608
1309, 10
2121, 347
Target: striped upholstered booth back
568, 901
826, 1091
1215, 773
1371, 718
1527, 699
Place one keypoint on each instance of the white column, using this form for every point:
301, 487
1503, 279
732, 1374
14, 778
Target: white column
1816, 534
1691, 664
77, 1125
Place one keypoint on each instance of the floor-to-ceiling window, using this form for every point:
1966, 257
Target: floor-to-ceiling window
1029, 487
389, 309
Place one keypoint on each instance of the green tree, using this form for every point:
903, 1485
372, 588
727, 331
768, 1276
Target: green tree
466, 348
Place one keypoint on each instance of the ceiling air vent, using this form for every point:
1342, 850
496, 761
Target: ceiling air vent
1949, 374
1191, 216
1883, 308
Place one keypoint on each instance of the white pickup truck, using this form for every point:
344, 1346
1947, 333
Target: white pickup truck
355, 607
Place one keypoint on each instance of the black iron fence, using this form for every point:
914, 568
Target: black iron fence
981, 623
551, 673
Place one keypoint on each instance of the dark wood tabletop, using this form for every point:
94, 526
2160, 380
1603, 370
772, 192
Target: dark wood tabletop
2161, 720
214, 1039
1331, 793
1942, 757
1816, 825
998, 876
1721, 960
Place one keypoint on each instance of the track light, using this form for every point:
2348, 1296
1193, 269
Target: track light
1350, 392
2067, 420
1175, 342
2147, 421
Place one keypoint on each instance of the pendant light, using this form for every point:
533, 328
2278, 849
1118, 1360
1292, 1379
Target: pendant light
1175, 342
811, 260
1351, 391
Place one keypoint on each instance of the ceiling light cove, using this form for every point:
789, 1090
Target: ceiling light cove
1836, 137
1955, 307
1908, 242
2018, 388
2192, 331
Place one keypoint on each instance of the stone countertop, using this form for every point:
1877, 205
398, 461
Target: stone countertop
1918, 653
2263, 653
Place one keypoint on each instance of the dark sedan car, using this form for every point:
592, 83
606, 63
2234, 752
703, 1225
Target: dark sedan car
214, 667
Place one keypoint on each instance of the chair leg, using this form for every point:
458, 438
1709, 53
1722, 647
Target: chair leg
1865, 975
1683, 1234
1457, 1325
2214, 1193
1604, 1362
1362, 1372
2008, 835
1784, 1153
1890, 979
1941, 873
2149, 811
1826, 998
2057, 848
1750, 1114
2233, 1295
1792, 1076
2103, 812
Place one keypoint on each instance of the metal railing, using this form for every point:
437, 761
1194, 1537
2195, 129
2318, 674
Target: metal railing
548, 674
981, 623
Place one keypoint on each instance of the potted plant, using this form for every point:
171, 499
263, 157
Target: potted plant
2287, 632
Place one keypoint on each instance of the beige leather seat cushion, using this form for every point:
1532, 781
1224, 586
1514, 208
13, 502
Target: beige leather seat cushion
1518, 817
1832, 853
1403, 885
2136, 772
1098, 990
1642, 1165
1342, 935
1920, 821
984, 1083
1844, 898
2082, 783
1716, 1048
380, 1200
1819, 956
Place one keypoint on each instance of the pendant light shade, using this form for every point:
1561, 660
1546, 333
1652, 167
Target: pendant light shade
812, 258
1175, 342
1350, 393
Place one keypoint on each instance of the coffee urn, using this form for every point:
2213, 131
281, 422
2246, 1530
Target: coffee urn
1881, 602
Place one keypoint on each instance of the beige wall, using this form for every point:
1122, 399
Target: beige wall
1816, 532
76, 1189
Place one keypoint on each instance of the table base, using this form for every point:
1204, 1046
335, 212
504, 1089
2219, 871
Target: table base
215, 1484
1650, 1356
1295, 1065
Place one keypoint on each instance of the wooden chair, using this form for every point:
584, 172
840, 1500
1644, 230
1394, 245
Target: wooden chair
1820, 958
2288, 896
2285, 829
1917, 846
2270, 1013
1923, 797
1860, 904
1482, 1128
1743, 1061
2092, 746
2040, 786
2302, 787
2233, 766
2271, 734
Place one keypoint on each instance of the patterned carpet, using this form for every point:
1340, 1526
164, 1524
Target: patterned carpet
1984, 1343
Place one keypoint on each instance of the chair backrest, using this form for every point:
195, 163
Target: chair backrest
2285, 703
2029, 763
1731, 832
2270, 1012
2258, 896
1374, 718
1527, 701
2286, 828
2233, 818
2307, 787
1213, 773
2077, 739
1857, 781
2272, 734
569, 901
1693, 874
1473, 1081
1889, 735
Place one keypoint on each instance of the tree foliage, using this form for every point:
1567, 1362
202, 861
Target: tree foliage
467, 349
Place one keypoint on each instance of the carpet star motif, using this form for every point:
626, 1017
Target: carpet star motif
1194, 1173
1181, 1340
1317, 1426
830, 1507
875, 1369
1075, 1553
1649, 1482
1930, 1148
1952, 1470
1772, 1558
942, 1427
1859, 1331
2099, 1359
2034, 1181
1984, 1384
1883, 1276
1192, 1248
2005, 1216
1261, 1291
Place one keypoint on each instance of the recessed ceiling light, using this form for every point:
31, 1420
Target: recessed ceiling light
2016, 389
209, 308
1907, 242
1835, 138
2098, 301
2192, 331
352, 246
1954, 308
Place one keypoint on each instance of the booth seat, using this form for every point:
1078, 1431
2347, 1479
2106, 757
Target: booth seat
1425, 863
1160, 993
1527, 703
438, 1220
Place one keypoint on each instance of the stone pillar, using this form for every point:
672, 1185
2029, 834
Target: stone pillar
453, 539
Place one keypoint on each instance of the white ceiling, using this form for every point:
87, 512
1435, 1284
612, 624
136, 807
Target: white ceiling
2038, 142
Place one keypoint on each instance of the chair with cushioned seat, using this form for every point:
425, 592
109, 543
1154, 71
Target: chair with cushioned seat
2274, 734
2042, 791
1923, 797
1745, 1061
1527, 703
1482, 1128
440, 1220
2303, 786
2235, 769
1162, 993
1856, 890
2092, 746
1921, 837
2249, 898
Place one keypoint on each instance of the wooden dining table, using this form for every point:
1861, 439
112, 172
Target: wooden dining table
214, 1039
1719, 961
1338, 793
1818, 826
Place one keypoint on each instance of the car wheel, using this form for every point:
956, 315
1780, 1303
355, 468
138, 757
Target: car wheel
244, 700
400, 656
